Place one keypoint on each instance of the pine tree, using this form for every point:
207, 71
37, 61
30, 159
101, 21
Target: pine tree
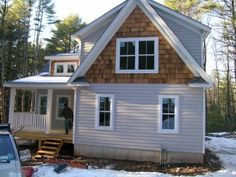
61, 40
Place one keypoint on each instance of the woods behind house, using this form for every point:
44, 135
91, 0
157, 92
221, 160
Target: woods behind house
22, 46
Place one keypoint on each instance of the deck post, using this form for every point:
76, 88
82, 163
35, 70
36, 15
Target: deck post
49, 110
12, 105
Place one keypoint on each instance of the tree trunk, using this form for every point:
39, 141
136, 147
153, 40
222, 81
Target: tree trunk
234, 33
2, 55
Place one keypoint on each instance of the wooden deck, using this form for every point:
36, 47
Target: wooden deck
41, 135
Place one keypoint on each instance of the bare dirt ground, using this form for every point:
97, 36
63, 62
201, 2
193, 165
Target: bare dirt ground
211, 163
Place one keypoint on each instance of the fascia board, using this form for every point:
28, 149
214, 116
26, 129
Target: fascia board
72, 57
206, 85
181, 16
85, 31
36, 86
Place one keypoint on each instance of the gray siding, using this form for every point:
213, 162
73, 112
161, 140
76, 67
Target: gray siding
136, 118
190, 38
89, 41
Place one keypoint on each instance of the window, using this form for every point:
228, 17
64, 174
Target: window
104, 112
61, 100
42, 104
64, 68
60, 69
169, 114
70, 68
7, 150
137, 55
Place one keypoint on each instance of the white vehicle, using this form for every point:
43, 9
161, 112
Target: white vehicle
10, 164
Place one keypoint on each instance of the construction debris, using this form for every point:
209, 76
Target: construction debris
71, 163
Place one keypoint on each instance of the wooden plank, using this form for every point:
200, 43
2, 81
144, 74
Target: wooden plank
48, 148
41, 152
51, 143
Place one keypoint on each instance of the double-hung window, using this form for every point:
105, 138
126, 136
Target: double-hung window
104, 112
137, 55
169, 114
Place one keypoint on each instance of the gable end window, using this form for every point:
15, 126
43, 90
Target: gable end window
168, 114
137, 55
104, 112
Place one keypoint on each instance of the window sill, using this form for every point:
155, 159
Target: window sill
104, 128
168, 131
137, 71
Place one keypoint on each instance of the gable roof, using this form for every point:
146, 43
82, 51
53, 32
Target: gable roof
145, 6
99, 22
206, 29
110, 15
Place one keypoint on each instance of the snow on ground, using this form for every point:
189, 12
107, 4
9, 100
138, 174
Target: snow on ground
225, 148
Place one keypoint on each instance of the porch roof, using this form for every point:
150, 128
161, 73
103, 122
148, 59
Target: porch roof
42, 80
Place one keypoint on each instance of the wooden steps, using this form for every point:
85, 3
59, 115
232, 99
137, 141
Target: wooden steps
49, 148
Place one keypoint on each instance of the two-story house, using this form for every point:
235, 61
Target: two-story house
138, 92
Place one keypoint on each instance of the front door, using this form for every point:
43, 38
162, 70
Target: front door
60, 101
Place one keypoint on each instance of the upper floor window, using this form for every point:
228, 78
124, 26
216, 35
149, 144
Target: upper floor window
137, 55
64, 68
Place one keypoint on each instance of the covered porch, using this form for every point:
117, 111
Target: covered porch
45, 119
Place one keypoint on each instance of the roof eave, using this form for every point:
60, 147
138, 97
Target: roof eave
200, 85
202, 26
29, 86
74, 57
85, 31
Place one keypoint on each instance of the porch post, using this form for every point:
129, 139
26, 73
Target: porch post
75, 115
12, 105
49, 110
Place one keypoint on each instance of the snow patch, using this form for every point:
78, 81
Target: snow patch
225, 148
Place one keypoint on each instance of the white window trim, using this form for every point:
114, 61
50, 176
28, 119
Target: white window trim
39, 101
65, 67
57, 106
136, 40
112, 109
176, 129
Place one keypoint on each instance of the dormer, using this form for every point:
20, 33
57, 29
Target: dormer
63, 64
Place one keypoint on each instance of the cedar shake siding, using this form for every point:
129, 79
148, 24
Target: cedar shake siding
172, 69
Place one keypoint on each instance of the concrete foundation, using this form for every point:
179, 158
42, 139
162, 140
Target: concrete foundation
136, 155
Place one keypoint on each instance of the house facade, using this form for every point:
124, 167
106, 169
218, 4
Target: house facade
139, 88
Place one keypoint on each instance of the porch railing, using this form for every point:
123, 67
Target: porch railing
30, 121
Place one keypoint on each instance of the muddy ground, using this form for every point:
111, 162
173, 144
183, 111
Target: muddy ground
211, 163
